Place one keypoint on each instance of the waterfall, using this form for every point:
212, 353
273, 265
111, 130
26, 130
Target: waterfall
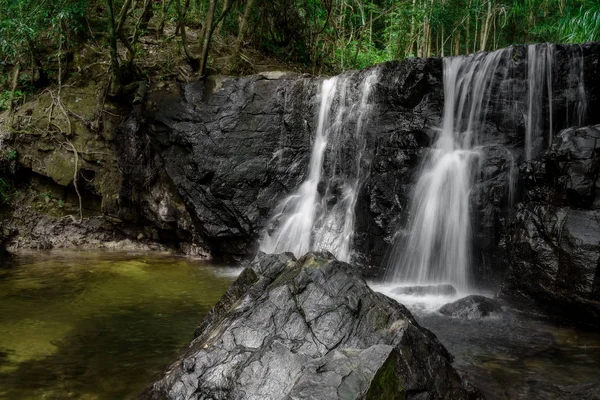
577, 83
316, 219
540, 59
540, 63
435, 244
437, 248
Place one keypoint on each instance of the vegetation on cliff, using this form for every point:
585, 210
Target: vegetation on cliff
40, 39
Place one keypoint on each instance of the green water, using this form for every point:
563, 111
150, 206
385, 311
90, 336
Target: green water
97, 325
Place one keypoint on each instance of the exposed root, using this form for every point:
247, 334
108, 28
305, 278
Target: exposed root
74, 150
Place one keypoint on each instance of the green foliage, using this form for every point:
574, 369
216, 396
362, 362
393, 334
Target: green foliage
25, 25
7, 191
5, 97
327, 35
330, 32
581, 24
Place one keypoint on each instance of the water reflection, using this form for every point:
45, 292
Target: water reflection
97, 325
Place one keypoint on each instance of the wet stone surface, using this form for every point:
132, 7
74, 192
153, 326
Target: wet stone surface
474, 306
309, 329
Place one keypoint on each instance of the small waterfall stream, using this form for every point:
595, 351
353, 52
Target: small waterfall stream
539, 78
316, 219
437, 249
540, 96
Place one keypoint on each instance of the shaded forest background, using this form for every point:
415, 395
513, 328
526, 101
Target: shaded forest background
41, 40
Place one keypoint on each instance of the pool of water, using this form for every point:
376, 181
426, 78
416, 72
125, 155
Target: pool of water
98, 325
513, 355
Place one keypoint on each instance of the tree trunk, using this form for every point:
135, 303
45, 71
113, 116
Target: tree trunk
122, 16
457, 44
13, 89
467, 29
143, 19
165, 7
146, 16
475, 33
208, 22
181, 25
225, 10
486, 26
114, 58
371, 28
186, 6
411, 48
241, 33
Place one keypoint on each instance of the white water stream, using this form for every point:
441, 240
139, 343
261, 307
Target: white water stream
308, 220
438, 245
435, 249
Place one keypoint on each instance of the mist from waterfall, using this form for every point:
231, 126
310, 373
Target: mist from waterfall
437, 246
320, 214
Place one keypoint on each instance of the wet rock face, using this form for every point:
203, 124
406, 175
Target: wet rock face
555, 242
503, 145
234, 148
309, 329
473, 307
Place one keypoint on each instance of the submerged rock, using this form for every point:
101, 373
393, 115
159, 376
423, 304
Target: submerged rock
309, 329
473, 306
439, 290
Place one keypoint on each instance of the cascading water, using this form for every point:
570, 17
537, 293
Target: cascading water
540, 59
579, 109
540, 97
438, 246
306, 220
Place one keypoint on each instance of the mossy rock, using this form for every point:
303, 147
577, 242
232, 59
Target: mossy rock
316, 259
387, 383
60, 168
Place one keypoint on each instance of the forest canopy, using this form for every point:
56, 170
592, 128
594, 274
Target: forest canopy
39, 37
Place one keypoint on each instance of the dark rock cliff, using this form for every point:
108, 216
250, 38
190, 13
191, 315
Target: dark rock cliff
235, 147
554, 242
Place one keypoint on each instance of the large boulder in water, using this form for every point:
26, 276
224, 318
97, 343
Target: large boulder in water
474, 306
309, 329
